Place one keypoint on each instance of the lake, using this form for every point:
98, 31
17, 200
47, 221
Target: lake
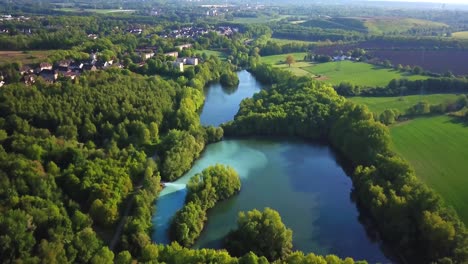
301, 180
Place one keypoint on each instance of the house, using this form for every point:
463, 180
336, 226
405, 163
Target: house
64, 63
76, 66
49, 75
340, 58
63, 70
184, 46
29, 79
178, 66
174, 54
89, 67
2, 83
92, 36
188, 61
45, 66
147, 55
26, 70
71, 75
192, 61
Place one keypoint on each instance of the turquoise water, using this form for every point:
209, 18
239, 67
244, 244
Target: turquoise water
302, 181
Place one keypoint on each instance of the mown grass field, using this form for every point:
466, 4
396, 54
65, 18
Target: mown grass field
216, 53
460, 35
437, 148
358, 73
25, 57
288, 41
401, 103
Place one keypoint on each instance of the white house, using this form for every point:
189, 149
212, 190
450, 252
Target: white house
2, 83
174, 54
184, 46
178, 66
191, 61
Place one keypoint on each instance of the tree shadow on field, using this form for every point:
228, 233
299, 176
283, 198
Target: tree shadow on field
458, 120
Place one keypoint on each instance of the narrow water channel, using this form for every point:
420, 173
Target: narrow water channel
302, 181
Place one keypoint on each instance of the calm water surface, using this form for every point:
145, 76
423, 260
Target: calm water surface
302, 181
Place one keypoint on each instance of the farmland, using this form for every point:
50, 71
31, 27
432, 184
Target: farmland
435, 149
25, 57
358, 73
380, 25
401, 103
97, 11
460, 35
436, 61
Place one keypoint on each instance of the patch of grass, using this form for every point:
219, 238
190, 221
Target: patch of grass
401, 103
216, 53
358, 73
25, 57
437, 148
289, 41
280, 59
460, 35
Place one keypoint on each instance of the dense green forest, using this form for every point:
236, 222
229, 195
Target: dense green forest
410, 217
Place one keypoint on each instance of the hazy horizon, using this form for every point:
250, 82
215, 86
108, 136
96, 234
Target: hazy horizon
428, 1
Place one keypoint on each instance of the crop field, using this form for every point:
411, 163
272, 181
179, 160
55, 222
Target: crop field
401, 103
358, 73
460, 35
25, 57
381, 25
337, 23
437, 148
435, 61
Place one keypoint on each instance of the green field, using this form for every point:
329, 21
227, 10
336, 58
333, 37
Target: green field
460, 35
279, 60
288, 41
25, 57
401, 103
358, 73
385, 24
437, 148
216, 53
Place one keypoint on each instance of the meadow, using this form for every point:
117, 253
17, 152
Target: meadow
358, 73
24, 57
401, 103
382, 25
437, 149
216, 53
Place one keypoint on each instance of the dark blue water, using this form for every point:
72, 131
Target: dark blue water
302, 181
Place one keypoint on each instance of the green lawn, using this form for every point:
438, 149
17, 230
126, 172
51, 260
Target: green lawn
460, 35
358, 73
437, 148
401, 103
288, 41
97, 11
279, 60
216, 53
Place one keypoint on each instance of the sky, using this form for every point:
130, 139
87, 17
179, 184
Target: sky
435, 1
